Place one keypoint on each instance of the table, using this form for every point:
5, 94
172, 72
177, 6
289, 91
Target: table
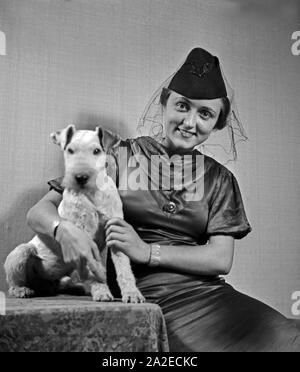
76, 323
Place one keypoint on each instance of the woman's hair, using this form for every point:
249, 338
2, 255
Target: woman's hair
165, 94
221, 123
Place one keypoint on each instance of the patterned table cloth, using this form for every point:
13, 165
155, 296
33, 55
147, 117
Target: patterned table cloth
68, 323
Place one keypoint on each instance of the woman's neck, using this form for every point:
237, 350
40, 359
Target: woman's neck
171, 150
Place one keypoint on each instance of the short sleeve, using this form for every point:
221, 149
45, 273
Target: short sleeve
227, 215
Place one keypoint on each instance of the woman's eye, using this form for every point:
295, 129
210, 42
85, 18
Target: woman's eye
96, 151
205, 115
182, 106
70, 151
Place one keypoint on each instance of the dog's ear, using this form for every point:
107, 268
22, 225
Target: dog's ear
107, 139
99, 132
63, 137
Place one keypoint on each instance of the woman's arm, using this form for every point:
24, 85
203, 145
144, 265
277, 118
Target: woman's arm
214, 258
42, 215
76, 245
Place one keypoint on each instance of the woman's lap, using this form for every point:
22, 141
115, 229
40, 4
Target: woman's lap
215, 317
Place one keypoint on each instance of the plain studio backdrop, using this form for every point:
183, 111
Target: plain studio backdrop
98, 62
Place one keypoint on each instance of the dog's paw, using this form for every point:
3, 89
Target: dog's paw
101, 293
21, 292
132, 296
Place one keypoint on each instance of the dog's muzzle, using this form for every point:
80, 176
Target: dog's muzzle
81, 179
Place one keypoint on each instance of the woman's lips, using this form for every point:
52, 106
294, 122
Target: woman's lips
185, 133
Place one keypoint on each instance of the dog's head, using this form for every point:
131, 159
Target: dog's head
84, 155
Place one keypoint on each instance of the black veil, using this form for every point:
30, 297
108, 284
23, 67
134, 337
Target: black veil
221, 145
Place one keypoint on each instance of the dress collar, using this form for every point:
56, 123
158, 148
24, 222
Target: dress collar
151, 146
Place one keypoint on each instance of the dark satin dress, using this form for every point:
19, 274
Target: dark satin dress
202, 313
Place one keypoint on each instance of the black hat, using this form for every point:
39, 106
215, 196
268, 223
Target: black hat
199, 77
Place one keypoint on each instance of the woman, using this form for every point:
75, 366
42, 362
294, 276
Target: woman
181, 239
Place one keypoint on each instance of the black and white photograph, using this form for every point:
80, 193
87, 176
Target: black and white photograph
149, 178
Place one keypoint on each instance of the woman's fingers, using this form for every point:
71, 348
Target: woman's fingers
116, 236
116, 229
116, 244
116, 221
96, 269
95, 251
96, 254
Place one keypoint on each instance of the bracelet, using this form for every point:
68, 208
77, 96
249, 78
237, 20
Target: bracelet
55, 225
155, 253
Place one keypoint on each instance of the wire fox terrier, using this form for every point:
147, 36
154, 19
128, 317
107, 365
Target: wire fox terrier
90, 198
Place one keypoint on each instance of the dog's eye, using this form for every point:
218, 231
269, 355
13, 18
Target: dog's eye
96, 151
70, 151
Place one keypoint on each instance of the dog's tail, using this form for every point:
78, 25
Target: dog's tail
17, 264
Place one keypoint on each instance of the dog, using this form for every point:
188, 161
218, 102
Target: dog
90, 198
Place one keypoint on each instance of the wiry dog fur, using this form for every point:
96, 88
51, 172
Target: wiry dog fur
89, 199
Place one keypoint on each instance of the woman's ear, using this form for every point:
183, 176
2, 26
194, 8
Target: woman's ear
63, 137
225, 111
164, 96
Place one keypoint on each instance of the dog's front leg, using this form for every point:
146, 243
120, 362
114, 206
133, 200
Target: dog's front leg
98, 287
99, 291
125, 278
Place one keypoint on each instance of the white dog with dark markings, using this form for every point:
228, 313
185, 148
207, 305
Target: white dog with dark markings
90, 198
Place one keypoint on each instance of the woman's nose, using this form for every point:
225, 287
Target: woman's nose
190, 120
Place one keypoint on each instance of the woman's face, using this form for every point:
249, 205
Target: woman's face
189, 122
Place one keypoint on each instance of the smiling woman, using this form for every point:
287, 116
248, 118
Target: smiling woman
199, 93
189, 122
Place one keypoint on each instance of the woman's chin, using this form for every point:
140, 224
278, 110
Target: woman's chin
180, 146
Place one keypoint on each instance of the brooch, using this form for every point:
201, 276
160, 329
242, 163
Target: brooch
195, 70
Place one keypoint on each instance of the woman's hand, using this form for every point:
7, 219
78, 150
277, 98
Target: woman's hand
77, 247
122, 236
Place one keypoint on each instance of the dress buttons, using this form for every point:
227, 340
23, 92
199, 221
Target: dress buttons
170, 207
